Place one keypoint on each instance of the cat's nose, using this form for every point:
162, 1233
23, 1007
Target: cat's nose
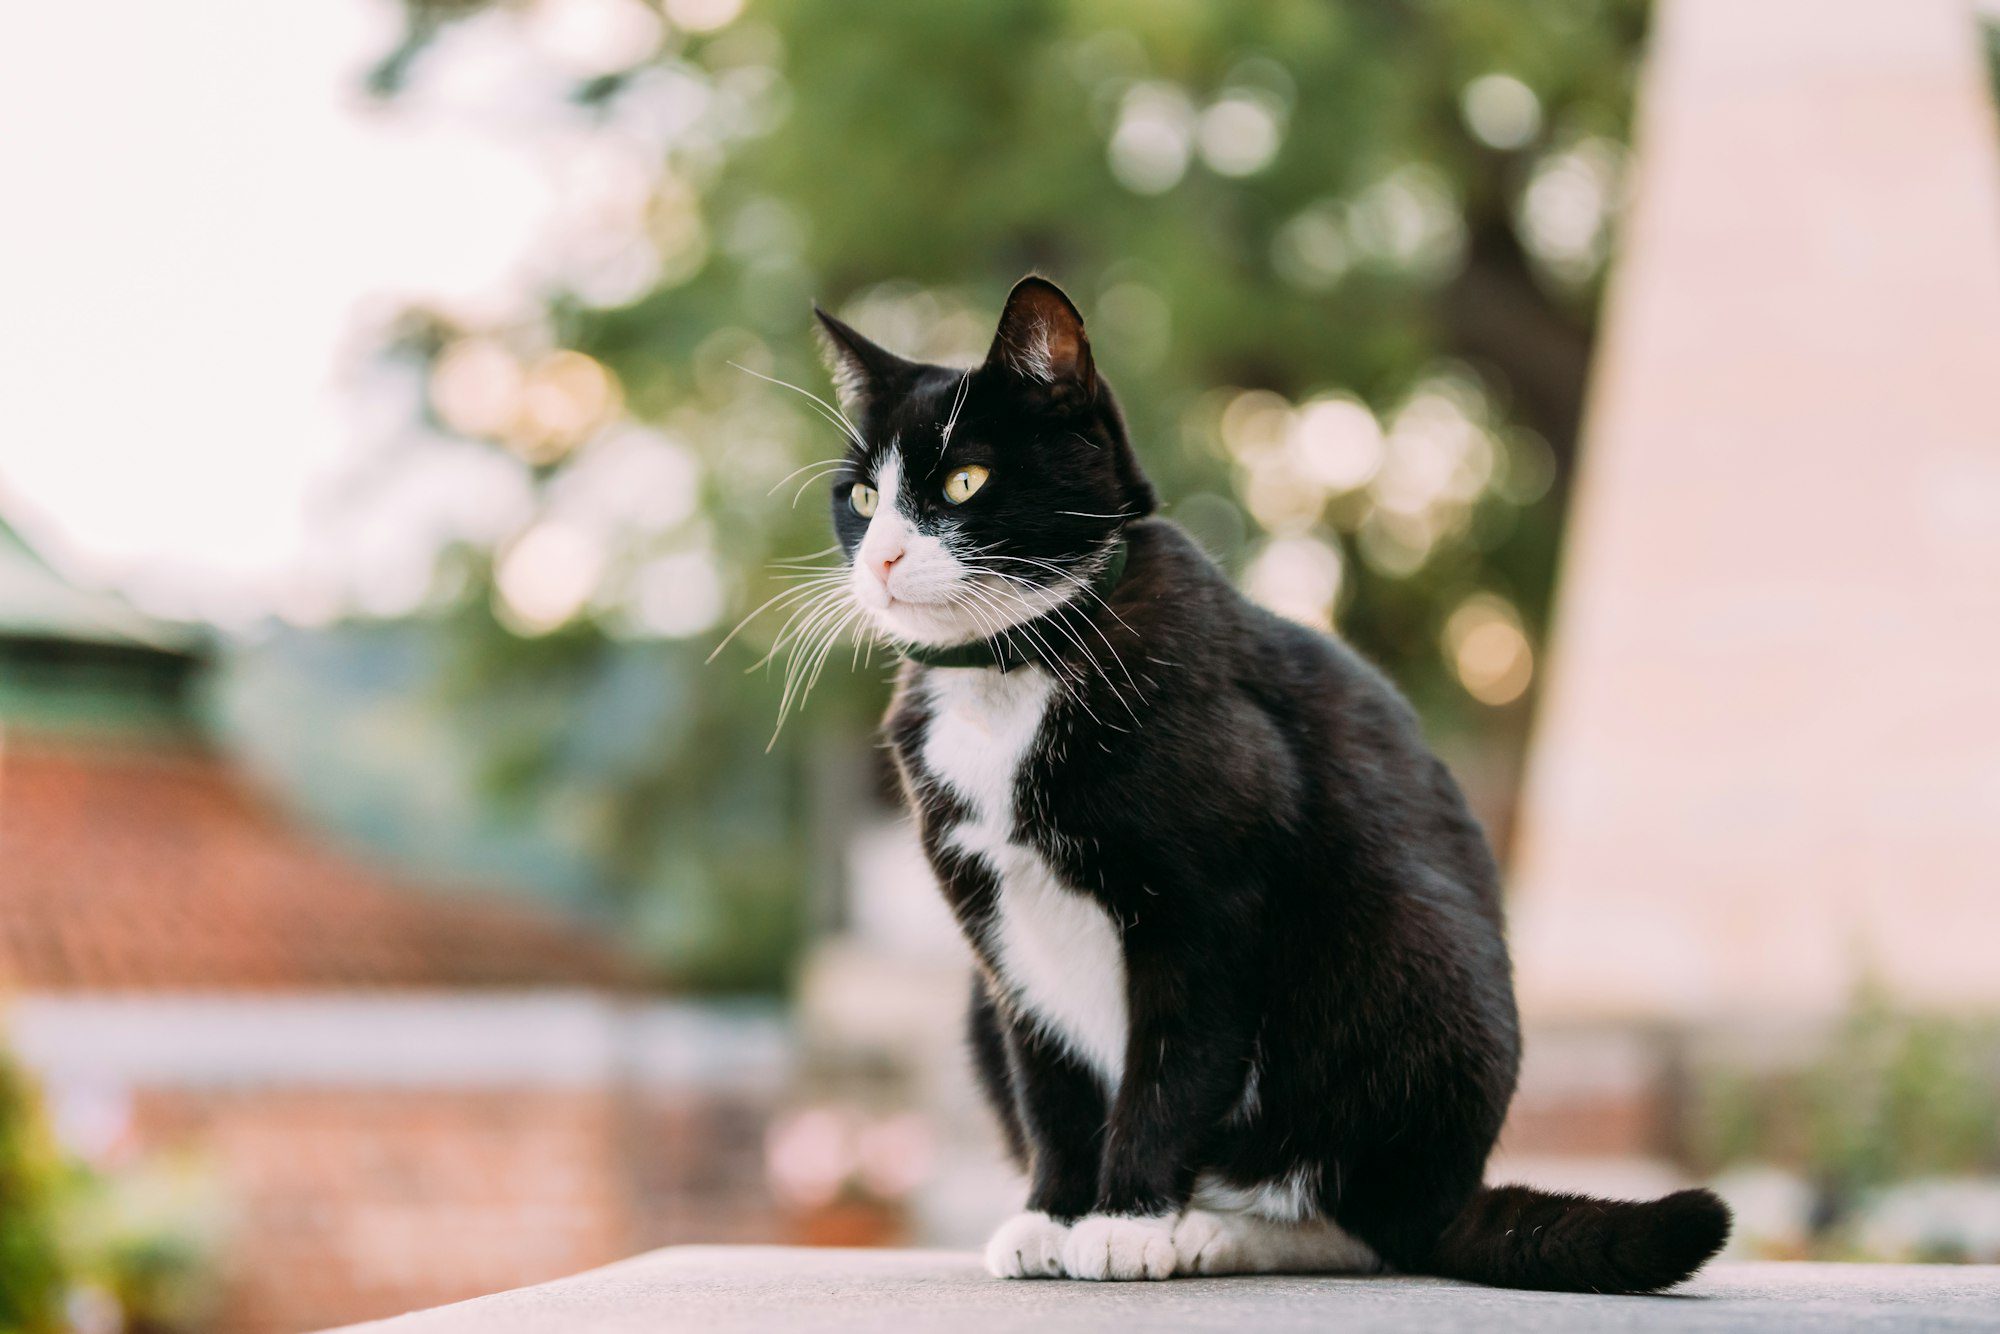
884, 561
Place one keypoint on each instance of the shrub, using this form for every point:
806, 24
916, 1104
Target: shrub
32, 1278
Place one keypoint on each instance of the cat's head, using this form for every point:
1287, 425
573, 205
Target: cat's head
976, 500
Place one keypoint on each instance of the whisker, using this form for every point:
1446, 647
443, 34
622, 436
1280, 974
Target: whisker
1073, 680
808, 598
993, 597
810, 555
831, 465
803, 667
1059, 615
1052, 661
802, 623
808, 484
798, 590
827, 649
837, 416
951, 421
817, 469
1070, 577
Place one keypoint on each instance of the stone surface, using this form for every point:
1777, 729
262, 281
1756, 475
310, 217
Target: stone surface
1767, 762
719, 1289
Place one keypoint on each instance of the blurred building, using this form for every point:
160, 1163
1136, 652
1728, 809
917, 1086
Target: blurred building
402, 1096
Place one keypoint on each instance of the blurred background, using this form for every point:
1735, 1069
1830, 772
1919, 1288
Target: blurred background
396, 905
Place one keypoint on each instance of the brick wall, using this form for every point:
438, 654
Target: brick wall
351, 1204
1602, 1093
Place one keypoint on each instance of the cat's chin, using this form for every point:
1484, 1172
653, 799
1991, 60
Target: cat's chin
924, 626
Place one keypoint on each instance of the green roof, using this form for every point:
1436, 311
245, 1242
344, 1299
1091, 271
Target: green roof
37, 602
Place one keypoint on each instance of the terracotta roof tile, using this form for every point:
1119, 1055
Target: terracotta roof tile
158, 869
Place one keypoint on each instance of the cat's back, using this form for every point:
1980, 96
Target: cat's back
1186, 614
1292, 718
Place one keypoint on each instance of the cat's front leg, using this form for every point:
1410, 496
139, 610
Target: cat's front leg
1061, 1109
1187, 1052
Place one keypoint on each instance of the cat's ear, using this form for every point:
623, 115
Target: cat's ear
1041, 338
861, 371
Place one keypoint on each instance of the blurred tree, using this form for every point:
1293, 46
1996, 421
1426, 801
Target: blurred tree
33, 1281
137, 1244
1889, 1096
1341, 261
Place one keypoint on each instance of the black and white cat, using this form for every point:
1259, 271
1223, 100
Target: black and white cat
1242, 1002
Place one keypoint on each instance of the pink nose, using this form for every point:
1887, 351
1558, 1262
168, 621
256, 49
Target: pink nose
882, 561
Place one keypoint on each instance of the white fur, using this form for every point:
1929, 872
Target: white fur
1288, 1199
1028, 1245
1225, 1243
1056, 951
1270, 1228
1252, 1097
1033, 356
850, 387
1113, 1246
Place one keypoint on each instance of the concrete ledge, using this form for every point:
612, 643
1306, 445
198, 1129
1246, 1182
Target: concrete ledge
728, 1288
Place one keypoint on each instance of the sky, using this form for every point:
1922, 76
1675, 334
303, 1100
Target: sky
202, 210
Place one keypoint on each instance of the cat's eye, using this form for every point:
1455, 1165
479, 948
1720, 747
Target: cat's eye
958, 487
862, 497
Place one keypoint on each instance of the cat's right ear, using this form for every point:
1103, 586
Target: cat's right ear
861, 371
1041, 339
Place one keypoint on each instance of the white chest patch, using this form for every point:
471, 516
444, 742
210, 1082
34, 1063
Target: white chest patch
1055, 949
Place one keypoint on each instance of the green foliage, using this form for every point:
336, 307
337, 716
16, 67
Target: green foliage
1903, 1096
1894, 1096
143, 1237
1287, 198
678, 801
147, 1236
33, 1278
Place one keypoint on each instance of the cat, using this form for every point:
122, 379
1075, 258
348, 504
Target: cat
1241, 1000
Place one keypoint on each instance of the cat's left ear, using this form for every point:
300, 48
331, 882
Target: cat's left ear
1041, 338
861, 371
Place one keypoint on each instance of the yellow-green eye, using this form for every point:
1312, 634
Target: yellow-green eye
958, 487
862, 497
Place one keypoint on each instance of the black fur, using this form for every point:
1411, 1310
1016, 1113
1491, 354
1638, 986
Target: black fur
1297, 882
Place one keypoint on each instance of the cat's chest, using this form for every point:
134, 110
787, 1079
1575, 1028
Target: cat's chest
1054, 948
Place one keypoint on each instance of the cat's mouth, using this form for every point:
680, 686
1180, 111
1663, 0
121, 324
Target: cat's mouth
956, 613
929, 621
932, 615
875, 596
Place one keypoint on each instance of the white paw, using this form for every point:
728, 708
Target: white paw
1107, 1246
1206, 1243
1028, 1245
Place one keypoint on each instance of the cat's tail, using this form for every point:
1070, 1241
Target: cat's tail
1516, 1237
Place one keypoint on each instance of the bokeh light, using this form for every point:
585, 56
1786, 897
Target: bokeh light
1489, 650
1239, 133
1501, 111
1299, 578
1154, 138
